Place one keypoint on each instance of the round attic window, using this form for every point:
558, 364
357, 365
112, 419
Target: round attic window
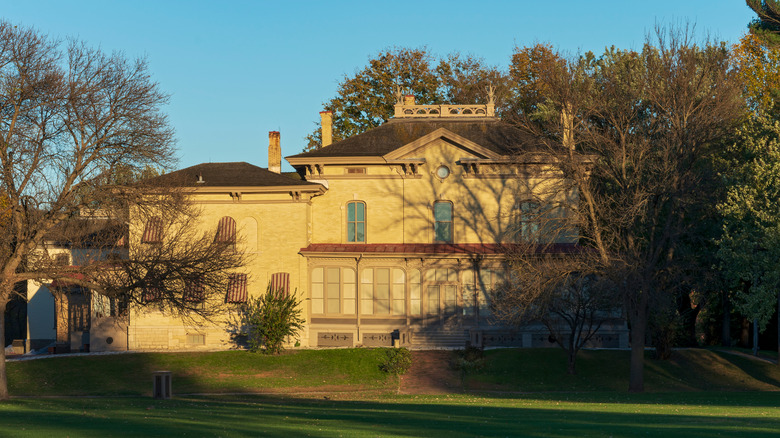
443, 172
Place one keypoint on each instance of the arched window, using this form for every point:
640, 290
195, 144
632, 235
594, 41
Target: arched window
356, 221
442, 216
226, 231
153, 230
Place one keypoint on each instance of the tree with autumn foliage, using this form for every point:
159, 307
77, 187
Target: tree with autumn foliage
631, 133
366, 99
751, 210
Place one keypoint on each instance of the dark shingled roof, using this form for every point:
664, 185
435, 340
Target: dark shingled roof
489, 132
240, 174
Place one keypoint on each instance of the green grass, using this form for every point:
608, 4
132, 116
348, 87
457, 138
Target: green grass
607, 370
691, 414
225, 372
698, 393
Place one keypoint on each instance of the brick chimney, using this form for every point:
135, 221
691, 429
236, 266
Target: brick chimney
274, 152
409, 99
326, 118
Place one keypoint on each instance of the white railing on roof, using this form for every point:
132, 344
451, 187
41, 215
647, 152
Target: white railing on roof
402, 110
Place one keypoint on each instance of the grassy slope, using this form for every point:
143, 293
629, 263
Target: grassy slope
532, 370
603, 370
227, 371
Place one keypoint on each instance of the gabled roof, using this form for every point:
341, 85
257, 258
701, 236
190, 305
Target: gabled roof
490, 133
238, 174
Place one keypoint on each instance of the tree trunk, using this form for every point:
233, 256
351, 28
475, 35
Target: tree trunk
3, 375
755, 337
727, 319
572, 361
636, 381
744, 335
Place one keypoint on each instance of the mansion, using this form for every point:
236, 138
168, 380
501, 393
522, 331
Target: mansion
392, 237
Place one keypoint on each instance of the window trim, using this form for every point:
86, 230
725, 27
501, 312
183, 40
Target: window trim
451, 222
356, 222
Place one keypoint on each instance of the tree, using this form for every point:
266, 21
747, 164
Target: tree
559, 292
72, 120
272, 318
629, 132
366, 100
767, 25
750, 244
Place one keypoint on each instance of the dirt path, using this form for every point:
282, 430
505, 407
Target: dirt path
431, 373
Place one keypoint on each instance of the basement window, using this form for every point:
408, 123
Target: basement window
196, 339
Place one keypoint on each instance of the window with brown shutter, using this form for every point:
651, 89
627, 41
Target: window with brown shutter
236, 292
152, 294
194, 291
226, 231
153, 231
280, 282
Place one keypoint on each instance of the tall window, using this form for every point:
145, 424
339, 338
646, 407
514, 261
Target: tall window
529, 221
356, 221
442, 216
226, 231
382, 291
333, 291
153, 230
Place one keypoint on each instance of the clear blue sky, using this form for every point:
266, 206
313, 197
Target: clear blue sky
238, 69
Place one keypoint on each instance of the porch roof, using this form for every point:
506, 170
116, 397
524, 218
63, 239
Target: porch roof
436, 248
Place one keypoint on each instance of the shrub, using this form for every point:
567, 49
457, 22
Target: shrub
271, 318
398, 361
470, 360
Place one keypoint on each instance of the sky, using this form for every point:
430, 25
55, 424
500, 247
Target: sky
236, 70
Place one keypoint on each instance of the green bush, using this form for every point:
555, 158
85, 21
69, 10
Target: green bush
271, 318
470, 360
398, 361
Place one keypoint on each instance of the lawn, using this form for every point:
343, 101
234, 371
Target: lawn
691, 414
224, 371
516, 392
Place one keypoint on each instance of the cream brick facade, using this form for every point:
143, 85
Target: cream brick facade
393, 282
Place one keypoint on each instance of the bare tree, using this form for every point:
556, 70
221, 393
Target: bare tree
561, 291
73, 122
631, 133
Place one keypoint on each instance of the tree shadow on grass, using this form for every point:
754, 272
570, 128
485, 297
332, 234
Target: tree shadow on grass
461, 416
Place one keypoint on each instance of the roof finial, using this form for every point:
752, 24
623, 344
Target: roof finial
399, 95
490, 94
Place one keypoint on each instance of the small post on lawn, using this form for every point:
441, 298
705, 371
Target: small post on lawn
161, 385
